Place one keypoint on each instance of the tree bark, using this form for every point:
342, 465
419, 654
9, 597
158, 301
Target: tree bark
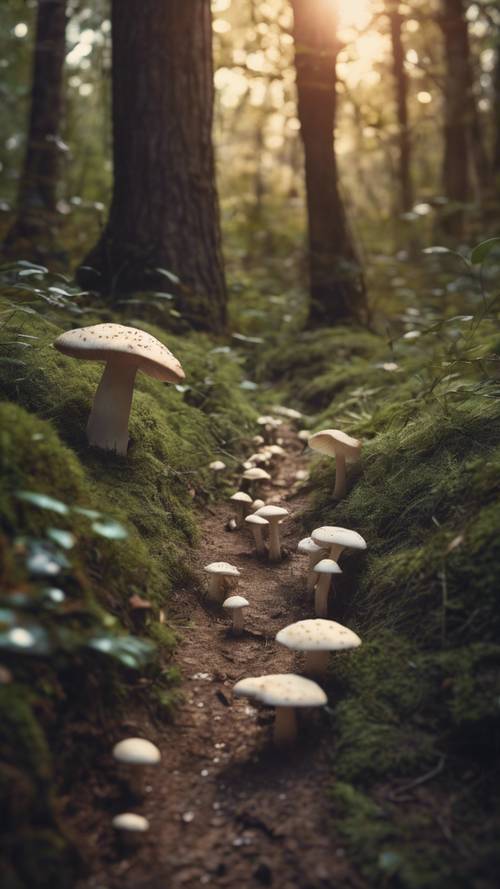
337, 292
36, 219
456, 111
401, 85
496, 121
164, 210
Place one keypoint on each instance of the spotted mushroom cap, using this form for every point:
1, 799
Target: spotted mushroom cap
282, 690
317, 635
102, 342
136, 750
334, 441
222, 568
328, 535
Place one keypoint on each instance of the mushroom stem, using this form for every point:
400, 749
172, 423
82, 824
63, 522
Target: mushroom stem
316, 662
340, 477
274, 542
215, 588
259, 540
335, 552
285, 726
314, 558
238, 621
321, 595
107, 425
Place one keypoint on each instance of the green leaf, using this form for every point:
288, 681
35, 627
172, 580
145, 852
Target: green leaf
483, 250
110, 529
43, 501
128, 650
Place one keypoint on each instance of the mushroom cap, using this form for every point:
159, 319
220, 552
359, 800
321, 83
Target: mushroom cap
103, 342
304, 434
130, 821
328, 535
307, 545
282, 690
217, 465
327, 566
241, 497
236, 602
277, 451
222, 568
289, 412
258, 440
333, 441
259, 458
271, 512
137, 751
255, 473
254, 519
317, 635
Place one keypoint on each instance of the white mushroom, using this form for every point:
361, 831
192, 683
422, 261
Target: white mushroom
217, 466
257, 525
317, 638
125, 351
258, 440
341, 446
338, 539
242, 503
131, 827
285, 691
273, 514
315, 553
288, 412
236, 604
255, 476
220, 574
257, 505
135, 755
326, 568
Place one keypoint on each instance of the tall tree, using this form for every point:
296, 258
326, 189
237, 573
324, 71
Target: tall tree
496, 118
164, 209
336, 280
36, 211
401, 88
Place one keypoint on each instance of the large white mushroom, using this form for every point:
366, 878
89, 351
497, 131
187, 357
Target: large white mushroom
286, 692
221, 573
343, 447
255, 476
326, 568
315, 553
125, 350
135, 756
317, 638
338, 539
273, 514
257, 524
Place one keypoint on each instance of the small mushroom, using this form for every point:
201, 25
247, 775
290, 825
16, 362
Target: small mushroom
341, 446
273, 514
326, 568
255, 476
257, 505
220, 574
338, 539
285, 691
217, 466
236, 604
288, 412
257, 524
125, 351
130, 827
317, 638
242, 504
135, 756
258, 440
315, 553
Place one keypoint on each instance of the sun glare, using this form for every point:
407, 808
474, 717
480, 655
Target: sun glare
354, 13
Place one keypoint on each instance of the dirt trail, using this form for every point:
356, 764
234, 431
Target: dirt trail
225, 809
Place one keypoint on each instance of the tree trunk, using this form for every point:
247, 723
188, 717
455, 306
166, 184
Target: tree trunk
456, 111
401, 84
164, 211
496, 120
336, 281
37, 214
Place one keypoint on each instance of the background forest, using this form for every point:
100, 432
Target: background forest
335, 252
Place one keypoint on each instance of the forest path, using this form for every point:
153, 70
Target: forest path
225, 809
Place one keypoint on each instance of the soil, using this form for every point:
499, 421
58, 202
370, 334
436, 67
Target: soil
225, 808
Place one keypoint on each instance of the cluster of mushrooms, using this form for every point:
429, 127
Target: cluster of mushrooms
318, 636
